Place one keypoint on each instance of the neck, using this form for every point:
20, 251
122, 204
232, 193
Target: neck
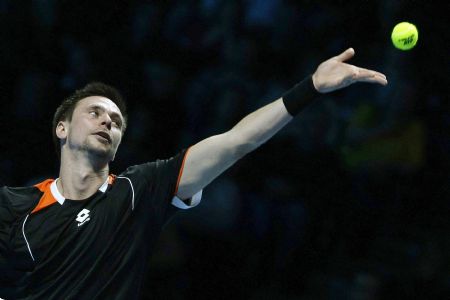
79, 177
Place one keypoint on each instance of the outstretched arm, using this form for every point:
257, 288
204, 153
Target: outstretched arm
209, 158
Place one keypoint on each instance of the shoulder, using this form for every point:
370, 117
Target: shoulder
19, 200
173, 163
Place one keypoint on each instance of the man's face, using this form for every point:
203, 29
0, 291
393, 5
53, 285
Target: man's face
96, 127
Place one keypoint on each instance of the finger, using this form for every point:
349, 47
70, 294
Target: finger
364, 75
374, 79
366, 72
346, 55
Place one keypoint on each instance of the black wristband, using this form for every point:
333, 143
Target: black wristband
302, 94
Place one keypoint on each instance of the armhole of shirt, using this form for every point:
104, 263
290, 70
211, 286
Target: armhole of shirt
194, 200
180, 173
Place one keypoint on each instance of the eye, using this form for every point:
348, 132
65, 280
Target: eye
118, 124
93, 113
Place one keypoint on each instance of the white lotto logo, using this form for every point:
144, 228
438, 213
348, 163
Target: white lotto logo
83, 217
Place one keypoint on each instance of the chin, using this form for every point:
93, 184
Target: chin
104, 153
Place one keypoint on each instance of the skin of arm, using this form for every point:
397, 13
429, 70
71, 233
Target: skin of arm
212, 156
209, 158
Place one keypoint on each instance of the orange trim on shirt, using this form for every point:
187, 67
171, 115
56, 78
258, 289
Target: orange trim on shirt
111, 179
47, 198
181, 171
44, 185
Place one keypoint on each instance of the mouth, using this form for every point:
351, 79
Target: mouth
104, 136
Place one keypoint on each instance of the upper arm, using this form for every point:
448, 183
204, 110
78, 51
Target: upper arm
208, 159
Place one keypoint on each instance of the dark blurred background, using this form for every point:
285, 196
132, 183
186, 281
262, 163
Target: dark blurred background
349, 201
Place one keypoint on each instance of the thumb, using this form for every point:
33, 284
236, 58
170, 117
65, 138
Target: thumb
346, 55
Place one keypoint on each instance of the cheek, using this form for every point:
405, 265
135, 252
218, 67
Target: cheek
77, 132
117, 139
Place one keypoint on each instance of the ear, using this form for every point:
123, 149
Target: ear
61, 130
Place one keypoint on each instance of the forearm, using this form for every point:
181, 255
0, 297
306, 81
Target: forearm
259, 126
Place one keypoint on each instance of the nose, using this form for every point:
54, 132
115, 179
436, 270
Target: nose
107, 121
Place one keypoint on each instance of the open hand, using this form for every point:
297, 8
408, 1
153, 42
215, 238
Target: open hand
334, 73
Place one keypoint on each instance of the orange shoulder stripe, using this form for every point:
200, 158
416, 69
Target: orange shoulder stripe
47, 198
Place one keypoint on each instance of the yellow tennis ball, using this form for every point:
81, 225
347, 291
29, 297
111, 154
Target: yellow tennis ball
404, 36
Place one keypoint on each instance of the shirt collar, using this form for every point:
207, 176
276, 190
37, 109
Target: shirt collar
60, 198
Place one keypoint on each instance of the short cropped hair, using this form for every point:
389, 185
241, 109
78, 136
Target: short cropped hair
65, 111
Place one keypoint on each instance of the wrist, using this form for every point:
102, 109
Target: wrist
300, 96
314, 80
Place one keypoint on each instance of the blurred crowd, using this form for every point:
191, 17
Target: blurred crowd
349, 201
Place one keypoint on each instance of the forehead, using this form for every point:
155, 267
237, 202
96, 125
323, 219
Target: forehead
98, 101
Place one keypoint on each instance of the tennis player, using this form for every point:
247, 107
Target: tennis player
88, 234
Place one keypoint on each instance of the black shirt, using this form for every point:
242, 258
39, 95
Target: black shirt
97, 248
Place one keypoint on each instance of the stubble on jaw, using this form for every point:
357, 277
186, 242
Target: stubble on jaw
106, 151
101, 152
